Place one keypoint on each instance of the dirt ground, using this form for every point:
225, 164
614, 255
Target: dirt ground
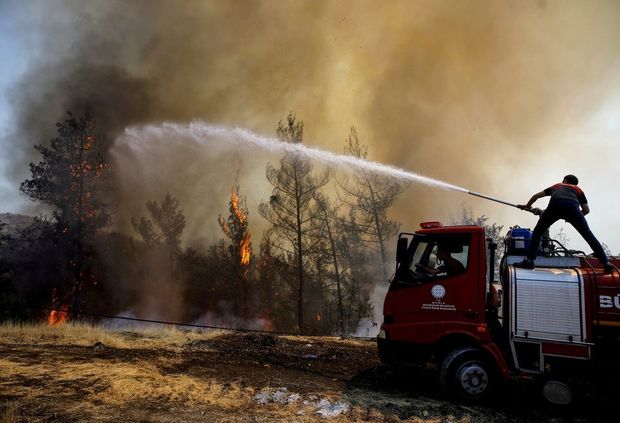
63, 375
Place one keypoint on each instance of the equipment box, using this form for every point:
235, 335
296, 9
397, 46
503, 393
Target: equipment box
519, 240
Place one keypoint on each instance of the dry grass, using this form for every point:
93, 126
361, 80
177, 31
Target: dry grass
329, 339
163, 374
105, 382
146, 383
82, 334
112, 382
8, 413
106, 387
102, 383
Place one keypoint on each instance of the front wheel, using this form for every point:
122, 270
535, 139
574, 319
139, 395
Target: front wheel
466, 375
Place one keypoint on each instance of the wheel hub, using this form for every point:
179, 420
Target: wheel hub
473, 379
557, 392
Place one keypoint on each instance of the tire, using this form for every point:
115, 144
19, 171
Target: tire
466, 375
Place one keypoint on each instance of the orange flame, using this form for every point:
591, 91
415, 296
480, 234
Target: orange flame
245, 247
234, 199
57, 317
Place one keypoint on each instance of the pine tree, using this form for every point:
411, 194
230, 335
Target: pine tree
236, 229
164, 228
371, 196
71, 179
291, 207
328, 229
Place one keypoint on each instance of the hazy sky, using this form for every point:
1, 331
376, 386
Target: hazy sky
503, 98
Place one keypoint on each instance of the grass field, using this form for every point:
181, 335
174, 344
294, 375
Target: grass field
76, 372
84, 373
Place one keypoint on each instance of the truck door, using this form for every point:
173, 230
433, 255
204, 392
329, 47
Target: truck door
437, 291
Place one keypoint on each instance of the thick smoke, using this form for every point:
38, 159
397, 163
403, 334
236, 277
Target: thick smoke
460, 83
446, 89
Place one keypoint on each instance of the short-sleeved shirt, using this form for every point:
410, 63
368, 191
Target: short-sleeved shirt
566, 194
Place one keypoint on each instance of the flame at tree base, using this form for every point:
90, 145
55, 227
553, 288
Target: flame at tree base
60, 315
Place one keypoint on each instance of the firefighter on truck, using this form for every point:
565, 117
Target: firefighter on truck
567, 202
556, 322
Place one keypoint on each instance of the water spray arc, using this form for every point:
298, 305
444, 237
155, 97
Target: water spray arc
203, 132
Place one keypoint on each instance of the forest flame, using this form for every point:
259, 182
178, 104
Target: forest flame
238, 212
245, 247
57, 317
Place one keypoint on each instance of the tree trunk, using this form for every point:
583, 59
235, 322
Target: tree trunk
300, 268
332, 245
79, 250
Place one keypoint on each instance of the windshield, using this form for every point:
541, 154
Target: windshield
436, 257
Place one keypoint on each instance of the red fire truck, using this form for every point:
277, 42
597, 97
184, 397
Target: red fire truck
558, 322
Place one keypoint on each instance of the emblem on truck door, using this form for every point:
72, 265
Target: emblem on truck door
438, 291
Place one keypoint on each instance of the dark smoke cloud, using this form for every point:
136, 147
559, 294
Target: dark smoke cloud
463, 84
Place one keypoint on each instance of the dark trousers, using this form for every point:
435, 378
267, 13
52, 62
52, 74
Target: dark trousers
573, 215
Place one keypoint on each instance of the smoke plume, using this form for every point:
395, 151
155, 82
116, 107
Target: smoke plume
423, 81
447, 89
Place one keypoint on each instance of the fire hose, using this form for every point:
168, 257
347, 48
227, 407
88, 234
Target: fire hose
533, 210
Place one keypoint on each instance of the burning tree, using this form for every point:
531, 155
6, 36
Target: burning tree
235, 227
291, 207
372, 195
70, 179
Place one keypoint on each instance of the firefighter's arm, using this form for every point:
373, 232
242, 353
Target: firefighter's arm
535, 197
585, 209
427, 269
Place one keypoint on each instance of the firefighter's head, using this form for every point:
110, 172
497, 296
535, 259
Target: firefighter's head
570, 179
443, 252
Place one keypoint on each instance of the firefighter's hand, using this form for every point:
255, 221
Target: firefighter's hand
420, 268
536, 211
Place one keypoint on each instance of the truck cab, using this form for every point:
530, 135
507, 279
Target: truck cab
445, 308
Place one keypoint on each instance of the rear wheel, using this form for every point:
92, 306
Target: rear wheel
466, 375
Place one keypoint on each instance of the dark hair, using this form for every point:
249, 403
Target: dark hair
571, 179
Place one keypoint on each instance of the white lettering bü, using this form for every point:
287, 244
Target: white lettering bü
605, 301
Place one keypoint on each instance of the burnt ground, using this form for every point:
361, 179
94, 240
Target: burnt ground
244, 377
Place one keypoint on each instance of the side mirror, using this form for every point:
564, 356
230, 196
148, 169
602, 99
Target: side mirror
401, 250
